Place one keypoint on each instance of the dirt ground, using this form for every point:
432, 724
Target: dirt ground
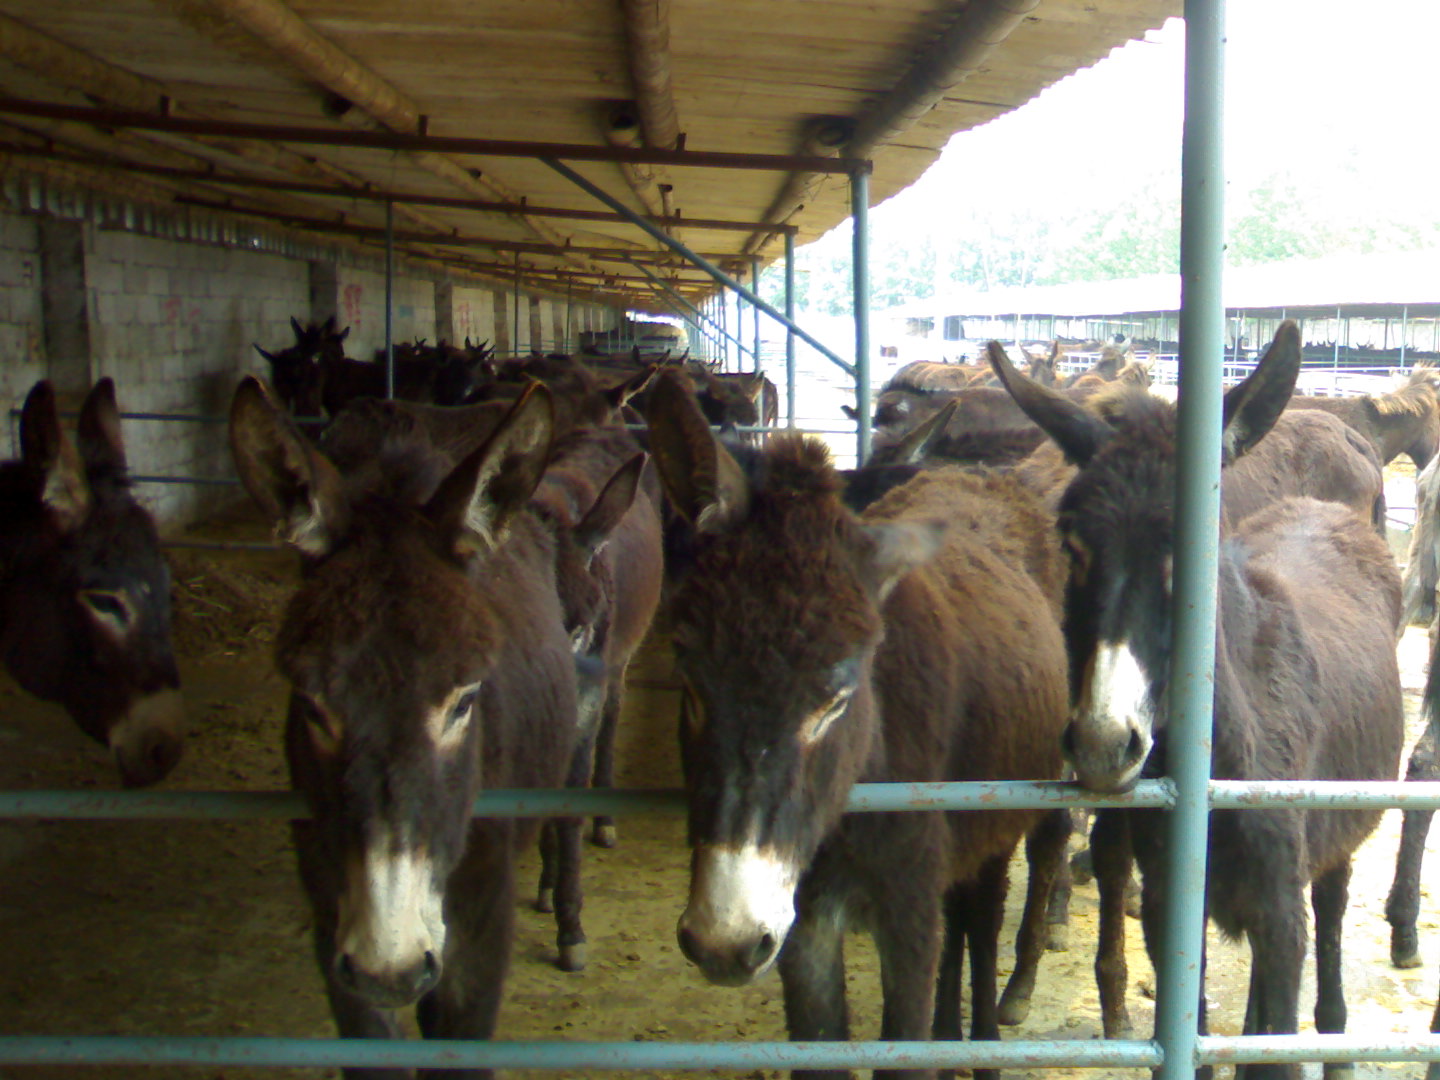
199, 929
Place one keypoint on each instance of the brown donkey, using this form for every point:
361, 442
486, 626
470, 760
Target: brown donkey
428, 660
84, 590
1306, 685
820, 649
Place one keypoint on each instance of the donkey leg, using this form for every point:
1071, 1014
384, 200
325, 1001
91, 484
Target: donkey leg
907, 936
983, 937
1277, 952
949, 1024
1045, 855
549, 867
479, 912
603, 776
1329, 895
812, 976
570, 937
1112, 861
1433, 1072
1402, 908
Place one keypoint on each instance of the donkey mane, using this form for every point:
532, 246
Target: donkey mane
1415, 398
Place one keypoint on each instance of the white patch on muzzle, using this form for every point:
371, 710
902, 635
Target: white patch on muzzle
153, 718
392, 913
739, 894
1114, 702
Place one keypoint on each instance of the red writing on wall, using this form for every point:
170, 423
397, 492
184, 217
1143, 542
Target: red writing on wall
352, 299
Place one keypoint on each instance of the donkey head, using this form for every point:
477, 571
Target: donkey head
85, 609
388, 645
776, 617
1117, 524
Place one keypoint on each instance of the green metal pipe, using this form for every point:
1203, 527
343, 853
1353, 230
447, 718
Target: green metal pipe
576, 1057
1234, 1050
860, 269
755, 288
789, 333
704, 264
1197, 518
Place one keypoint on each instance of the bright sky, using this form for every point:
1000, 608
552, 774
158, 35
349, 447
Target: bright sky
1310, 85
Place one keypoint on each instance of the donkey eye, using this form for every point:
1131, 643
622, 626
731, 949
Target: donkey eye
818, 722
325, 728
110, 608
1079, 555
460, 712
693, 716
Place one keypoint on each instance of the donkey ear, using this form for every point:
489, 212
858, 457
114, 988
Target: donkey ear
473, 506
612, 504
101, 445
295, 485
917, 445
703, 481
1078, 432
1253, 406
45, 448
621, 393
899, 547
266, 355
295, 325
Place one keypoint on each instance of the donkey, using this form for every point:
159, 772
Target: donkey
295, 369
1306, 682
1405, 421
428, 659
84, 590
820, 649
607, 529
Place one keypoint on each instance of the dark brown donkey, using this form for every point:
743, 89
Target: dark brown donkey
821, 649
84, 590
608, 571
428, 660
1306, 684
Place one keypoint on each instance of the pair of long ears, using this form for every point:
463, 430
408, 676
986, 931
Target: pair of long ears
47, 450
709, 489
302, 493
1250, 410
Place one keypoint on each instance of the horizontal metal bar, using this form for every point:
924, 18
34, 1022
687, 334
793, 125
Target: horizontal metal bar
1325, 794
370, 194
225, 545
864, 798
441, 144
461, 1054
578, 802
1236, 1049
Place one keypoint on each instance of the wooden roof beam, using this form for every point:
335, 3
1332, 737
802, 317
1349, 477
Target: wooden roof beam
322, 62
61, 64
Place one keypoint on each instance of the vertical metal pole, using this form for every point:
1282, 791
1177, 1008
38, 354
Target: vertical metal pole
1197, 517
569, 302
860, 268
515, 306
724, 331
790, 334
1335, 356
1404, 331
389, 299
755, 288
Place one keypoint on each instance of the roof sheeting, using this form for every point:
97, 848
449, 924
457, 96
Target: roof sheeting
748, 76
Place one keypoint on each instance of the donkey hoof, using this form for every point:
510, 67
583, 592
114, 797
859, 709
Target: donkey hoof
1404, 948
1058, 937
1013, 1010
545, 901
572, 957
603, 836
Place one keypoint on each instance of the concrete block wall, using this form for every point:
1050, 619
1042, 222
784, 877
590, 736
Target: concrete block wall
173, 323
22, 336
362, 308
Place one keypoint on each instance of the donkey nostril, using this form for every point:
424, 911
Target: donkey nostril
432, 966
345, 968
763, 950
1067, 741
1136, 746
